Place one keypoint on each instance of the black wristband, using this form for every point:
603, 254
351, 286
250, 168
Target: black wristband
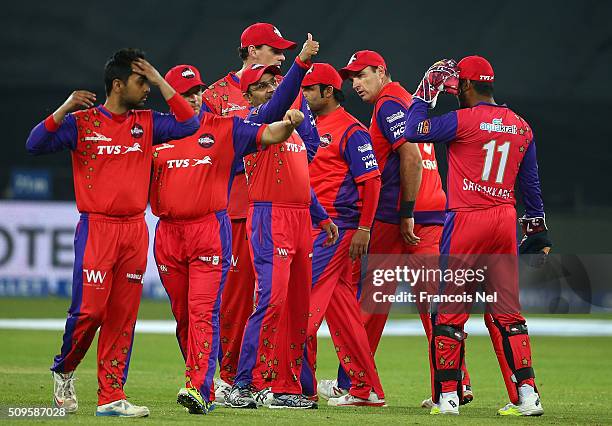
406, 209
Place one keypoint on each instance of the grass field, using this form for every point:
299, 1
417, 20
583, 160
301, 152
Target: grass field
573, 378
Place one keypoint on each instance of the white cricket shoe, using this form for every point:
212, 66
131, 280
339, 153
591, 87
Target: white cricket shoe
529, 406
428, 403
64, 395
329, 389
449, 404
222, 390
122, 408
468, 396
349, 400
264, 397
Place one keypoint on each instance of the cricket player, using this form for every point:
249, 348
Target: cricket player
279, 224
111, 147
260, 43
411, 208
345, 177
193, 238
489, 148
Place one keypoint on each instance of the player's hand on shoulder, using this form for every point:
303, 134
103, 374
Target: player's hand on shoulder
79, 99
442, 76
407, 231
535, 242
143, 67
294, 116
310, 49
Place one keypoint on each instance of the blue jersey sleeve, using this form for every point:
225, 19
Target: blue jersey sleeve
246, 134
359, 155
166, 127
420, 128
391, 120
529, 183
317, 211
308, 130
42, 141
283, 97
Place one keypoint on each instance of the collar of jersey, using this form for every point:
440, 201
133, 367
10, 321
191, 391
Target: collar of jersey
493, 105
115, 117
331, 114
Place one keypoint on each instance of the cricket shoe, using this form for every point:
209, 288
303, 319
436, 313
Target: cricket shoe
122, 408
64, 395
240, 397
295, 402
529, 406
222, 390
327, 389
448, 404
468, 397
192, 400
264, 397
349, 400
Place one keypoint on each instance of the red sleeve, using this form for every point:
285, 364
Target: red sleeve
371, 191
305, 65
259, 135
50, 124
180, 107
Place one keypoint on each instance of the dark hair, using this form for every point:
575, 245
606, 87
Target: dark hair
119, 66
484, 88
243, 52
338, 95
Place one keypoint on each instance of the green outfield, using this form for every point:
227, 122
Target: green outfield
573, 378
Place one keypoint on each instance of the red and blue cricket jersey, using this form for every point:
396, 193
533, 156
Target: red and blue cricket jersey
111, 154
192, 176
387, 133
343, 160
489, 147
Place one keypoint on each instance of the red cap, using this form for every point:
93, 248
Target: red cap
475, 68
264, 33
360, 60
253, 74
321, 73
182, 78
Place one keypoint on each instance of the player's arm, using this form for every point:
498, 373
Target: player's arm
59, 130
320, 217
360, 158
183, 122
535, 239
308, 130
421, 128
391, 120
289, 88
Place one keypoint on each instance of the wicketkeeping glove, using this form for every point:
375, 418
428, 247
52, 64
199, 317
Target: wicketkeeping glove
441, 76
535, 239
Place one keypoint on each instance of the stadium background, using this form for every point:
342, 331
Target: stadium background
552, 63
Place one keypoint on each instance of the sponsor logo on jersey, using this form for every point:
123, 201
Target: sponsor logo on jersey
135, 277
118, 149
232, 107
325, 140
206, 140
496, 125
394, 117
186, 162
137, 131
364, 148
164, 146
294, 147
427, 147
399, 132
98, 137
423, 127
430, 164
93, 277
282, 252
163, 269
369, 161
213, 260
188, 73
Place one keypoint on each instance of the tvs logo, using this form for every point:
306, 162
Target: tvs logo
137, 131
188, 73
325, 140
206, 140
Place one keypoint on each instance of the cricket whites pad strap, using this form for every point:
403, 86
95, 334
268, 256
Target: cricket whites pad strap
448, 331
523, 374
448, 375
